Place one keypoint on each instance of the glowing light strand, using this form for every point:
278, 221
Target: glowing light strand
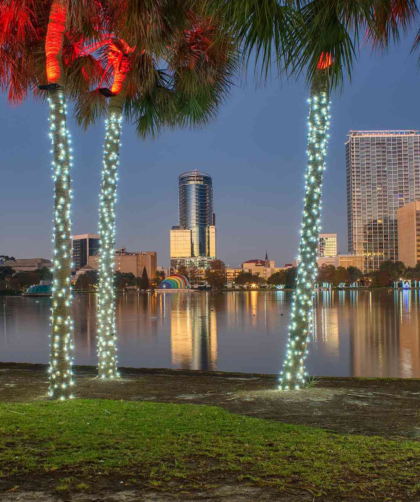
60, 370
107, 349
54, 40
294, 376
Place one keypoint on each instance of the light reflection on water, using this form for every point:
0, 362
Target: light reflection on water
357, 333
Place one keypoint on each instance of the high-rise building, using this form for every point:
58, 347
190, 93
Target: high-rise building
193, 242
409, 234
327, 245
84, 246
383, 174
181, 243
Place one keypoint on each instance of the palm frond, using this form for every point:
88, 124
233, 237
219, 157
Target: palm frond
260, 28
89, 107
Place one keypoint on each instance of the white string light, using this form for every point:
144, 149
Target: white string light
61, 375
294, 376
107, 348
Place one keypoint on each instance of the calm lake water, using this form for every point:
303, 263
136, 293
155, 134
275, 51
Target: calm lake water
356, 334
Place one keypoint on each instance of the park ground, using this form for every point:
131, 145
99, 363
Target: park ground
166, 435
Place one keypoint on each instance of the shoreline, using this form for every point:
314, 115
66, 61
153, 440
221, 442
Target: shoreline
387, 407
227, 290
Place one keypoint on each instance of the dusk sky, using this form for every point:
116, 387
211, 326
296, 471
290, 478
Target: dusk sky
255, 152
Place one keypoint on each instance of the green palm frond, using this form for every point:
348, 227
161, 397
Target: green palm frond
338, 27
260, 27
321, 31
84, 72
89, 107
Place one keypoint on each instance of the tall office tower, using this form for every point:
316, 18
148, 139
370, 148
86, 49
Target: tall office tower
383, 174
193, 242
84, 246
327, 245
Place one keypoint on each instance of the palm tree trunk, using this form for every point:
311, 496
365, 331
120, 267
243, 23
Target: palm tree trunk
107, 337
61, 380
293, 375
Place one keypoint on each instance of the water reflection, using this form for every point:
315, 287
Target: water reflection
357, 333
193, 332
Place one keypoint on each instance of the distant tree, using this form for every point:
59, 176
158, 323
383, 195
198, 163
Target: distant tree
291, 274
193, 274
45, 274
4, 257
412, 273
243, 278
144, 281
327, 274
384, 278
122, 280
216, 274
160, 276
87, 281
341, 275
354, 274
6, 272
23, 280
278, 278
182, 270
248, 278
395, 269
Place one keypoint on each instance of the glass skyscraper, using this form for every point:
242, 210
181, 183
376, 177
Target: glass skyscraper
196, 234
383, 174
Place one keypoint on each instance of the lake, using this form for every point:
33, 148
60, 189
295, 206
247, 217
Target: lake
357, 333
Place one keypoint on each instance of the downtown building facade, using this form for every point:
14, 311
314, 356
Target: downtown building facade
327, 245
193, 241
383, 175
409, 234
131, 262
84, 246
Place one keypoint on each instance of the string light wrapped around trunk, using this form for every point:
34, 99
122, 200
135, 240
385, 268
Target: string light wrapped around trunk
294, 376
61, 375
107, 350
107, 336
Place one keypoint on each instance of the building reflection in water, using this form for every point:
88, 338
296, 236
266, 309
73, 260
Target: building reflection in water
356, 333
385, 335
326, 334
193, 332
84, 310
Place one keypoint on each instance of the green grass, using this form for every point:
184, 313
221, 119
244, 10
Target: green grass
195, 446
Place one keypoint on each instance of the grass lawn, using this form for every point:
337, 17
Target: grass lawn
81, 443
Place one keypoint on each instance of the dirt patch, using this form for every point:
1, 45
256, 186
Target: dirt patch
383, 407
228, 493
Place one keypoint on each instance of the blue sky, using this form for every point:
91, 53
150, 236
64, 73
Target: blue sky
255, 152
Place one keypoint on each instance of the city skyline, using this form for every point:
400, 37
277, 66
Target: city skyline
257, 167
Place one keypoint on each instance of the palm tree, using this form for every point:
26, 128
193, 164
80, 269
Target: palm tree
22, 26
321, 39
198, 64
32, 38
325, 45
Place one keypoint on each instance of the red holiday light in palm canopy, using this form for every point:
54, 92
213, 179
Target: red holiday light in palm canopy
54, 40
325, 61
118, 57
